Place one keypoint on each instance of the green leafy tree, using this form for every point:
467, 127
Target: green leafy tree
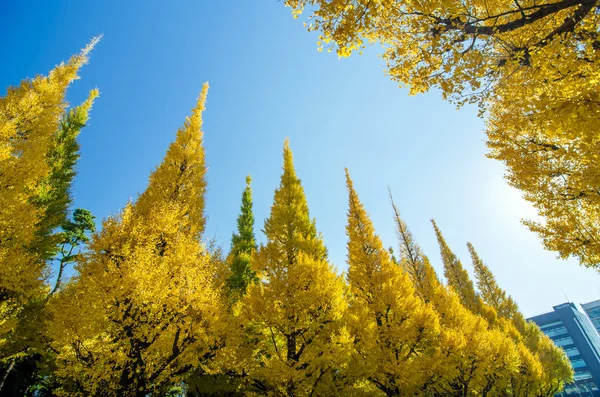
75, 233
53, 194
243, 244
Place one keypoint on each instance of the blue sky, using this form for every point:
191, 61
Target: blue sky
267, 82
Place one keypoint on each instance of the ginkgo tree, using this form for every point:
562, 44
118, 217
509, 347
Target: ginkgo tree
532, 66
477, 360
139, 314
30, 117
553, 369
294, 314
38, 153
532, 375
396, 334
524, 361
543, 368
154, 308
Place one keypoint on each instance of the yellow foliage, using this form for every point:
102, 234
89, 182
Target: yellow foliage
181, 176
544, 367
142, 310
30, 116
478, 360
297, 343
148, 303
532, 66
457, 276
483, 354
396, 334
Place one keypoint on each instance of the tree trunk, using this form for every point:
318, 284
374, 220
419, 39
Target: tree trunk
6, 373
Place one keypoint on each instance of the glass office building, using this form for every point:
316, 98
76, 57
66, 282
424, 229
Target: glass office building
572, 330
592, 309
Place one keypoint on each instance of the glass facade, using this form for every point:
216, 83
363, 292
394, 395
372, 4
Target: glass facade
556, 332
572, 351
592, 309
570, 329
562, 341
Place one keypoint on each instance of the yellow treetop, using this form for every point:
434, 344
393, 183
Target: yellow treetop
294, 313
491, 293
457, 276
30, 116
180, 178
290, 221
141, 311
396, 333
544, 366
412, 259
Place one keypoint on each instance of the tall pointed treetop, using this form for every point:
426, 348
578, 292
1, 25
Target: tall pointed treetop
290, 223
30, 116
455, 273
33, 109
412, 259
369, 263
53, 193
491, 293
409, 249
243, 243
180, 178
296, 310
385, 311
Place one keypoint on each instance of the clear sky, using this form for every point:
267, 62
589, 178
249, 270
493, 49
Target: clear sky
267, 82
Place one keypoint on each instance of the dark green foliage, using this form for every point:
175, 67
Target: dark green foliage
22, 376
53, 194
59, 241
18, 376
74, 234
204, 385
243, 243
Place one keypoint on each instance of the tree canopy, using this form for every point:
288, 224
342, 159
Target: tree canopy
149, 310
533, 68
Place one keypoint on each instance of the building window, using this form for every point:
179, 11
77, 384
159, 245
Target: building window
582, 375
556, 331
578, 363
594, 312
572, 351
574, 390
583, 388
550, 325
563, 341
